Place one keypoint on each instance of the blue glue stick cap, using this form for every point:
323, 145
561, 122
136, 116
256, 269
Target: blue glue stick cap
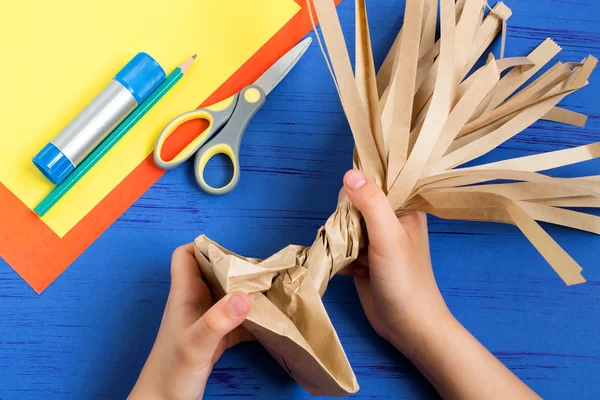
53, 164
141, 76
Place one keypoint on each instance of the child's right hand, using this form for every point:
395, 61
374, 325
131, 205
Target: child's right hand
398, 292
393, 275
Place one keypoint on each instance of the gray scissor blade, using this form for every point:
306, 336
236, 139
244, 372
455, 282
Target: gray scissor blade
282, 67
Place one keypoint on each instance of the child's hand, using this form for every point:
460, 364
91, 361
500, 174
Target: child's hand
398, 292
393, 275
192, 336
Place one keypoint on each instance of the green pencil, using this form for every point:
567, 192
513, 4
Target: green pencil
59, 191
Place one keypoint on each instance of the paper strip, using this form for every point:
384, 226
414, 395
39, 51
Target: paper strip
517, 77
545, 161
501, 209
434, 122
357, 118
564, 116
397, 112
461, 113
482, 40
366, 80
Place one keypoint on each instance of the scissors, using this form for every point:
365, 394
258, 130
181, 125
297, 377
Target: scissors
227, 121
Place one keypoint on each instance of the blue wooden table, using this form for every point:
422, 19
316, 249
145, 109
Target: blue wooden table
88, 334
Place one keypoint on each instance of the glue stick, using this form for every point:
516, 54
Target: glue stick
130, 87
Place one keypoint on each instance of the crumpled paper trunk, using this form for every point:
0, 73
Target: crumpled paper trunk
288, 316
414, 124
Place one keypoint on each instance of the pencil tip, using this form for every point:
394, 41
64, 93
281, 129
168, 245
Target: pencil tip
187, 63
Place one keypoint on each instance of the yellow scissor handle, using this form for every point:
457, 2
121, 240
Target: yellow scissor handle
192, 147
216, 115
202, 159
228, 141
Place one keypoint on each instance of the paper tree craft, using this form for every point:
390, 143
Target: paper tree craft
414, 124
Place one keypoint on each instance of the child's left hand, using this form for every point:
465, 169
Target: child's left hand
192, 336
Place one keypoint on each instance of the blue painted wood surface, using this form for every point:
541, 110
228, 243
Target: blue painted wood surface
88, 335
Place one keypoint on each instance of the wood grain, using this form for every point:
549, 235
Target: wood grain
87, 335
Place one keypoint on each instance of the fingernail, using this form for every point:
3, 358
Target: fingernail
354, 180
238, 305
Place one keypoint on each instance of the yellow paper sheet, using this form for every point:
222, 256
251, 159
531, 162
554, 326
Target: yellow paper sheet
57, 55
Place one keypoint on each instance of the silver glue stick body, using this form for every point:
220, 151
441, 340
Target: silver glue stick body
130, 87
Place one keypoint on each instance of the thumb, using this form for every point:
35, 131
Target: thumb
382, 224
206, 334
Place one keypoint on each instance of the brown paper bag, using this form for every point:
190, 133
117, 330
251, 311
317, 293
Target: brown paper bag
414, 123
